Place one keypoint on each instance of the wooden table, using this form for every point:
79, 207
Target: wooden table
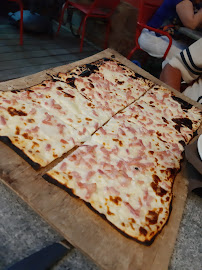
72, 218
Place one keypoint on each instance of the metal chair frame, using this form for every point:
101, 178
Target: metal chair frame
146, 9
98, 9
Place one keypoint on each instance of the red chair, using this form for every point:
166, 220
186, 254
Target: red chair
146, 10
21, 19
98, 9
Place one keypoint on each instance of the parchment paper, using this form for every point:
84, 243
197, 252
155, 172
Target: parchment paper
72, 218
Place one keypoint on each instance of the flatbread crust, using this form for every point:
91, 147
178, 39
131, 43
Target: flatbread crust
130, 143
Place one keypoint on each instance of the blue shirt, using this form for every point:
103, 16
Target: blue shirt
166, 11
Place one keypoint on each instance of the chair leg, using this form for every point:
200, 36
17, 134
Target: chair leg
61, 16
107, 33
132, 52
79, 30
83, 32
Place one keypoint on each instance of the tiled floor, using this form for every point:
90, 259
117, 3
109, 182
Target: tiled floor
38, 52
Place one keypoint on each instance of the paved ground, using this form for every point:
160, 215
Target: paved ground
38, 52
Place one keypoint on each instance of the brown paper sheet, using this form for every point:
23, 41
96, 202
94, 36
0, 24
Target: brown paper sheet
72, 218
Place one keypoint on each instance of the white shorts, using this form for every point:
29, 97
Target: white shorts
156, 46
195, 91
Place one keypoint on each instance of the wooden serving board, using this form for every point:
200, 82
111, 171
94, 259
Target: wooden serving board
82, 227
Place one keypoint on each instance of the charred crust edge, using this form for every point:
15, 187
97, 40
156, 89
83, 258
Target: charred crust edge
8, 142
51, 180
184, 104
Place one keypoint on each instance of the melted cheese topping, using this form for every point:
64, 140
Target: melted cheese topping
125, 170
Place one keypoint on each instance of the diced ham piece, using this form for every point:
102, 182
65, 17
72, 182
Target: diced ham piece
90, 175
149, 145
90, 188
129, 94
96, 126
76, 175
166, 186
101, 172
33, 111
126, 179
48, 119
79, 79
150, 132
54, 105
135, 212
48, 116
104, 151
88, 165
150, 122
38, 95
131, 129
7, 101
48, 147
115, 150
2, 120
92, 161
47, 122
24, 95
176, 148
164, 155
82, 132
103, 131
72, 157
122, 132
61, 128
147, 198
72, 139
59, 93
63, 167
140, 182
174, 105
146, 194
120, 164
35, 129
94, 112
166, 95
139, 143
140, 202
